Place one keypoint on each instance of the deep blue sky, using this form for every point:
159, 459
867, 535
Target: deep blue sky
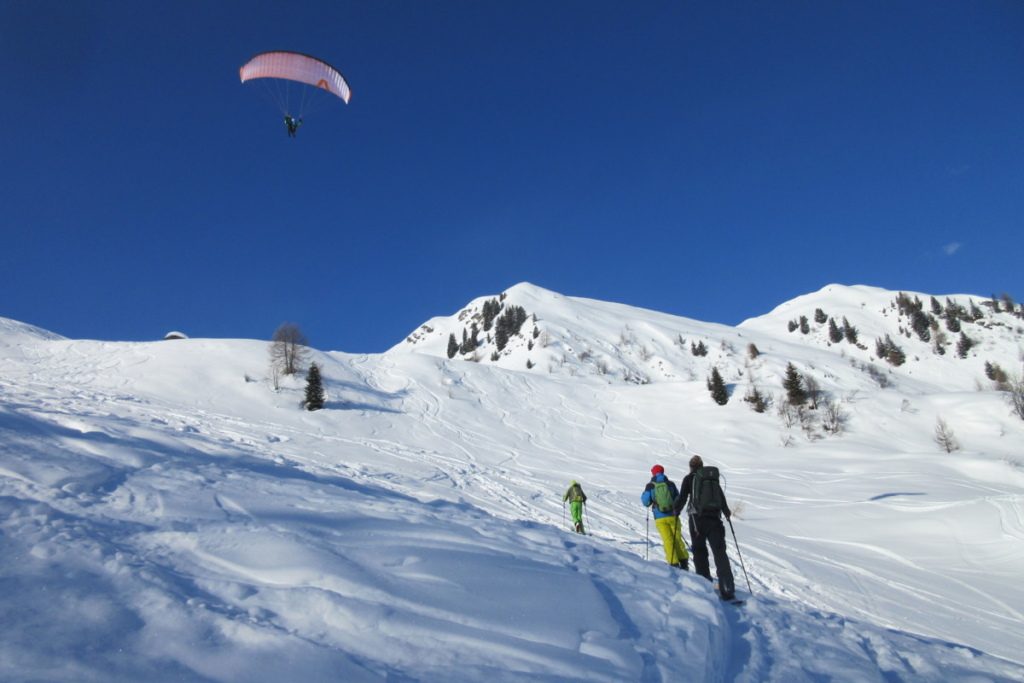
707, 159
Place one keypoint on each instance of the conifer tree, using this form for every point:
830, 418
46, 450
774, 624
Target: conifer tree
716, 385
952, 319
835, 335
315, 398
793, 384
453, 345
964, 345
850, 332
920, 324
889, 350
756, 399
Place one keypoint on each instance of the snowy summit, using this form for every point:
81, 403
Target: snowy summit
171, 512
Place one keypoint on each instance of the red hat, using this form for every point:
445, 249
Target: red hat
657, 469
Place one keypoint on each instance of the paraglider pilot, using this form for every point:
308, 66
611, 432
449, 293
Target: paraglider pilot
293, 124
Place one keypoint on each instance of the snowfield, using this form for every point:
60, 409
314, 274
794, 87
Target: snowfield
166, 515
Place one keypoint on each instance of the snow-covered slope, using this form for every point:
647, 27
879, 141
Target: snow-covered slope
165, 514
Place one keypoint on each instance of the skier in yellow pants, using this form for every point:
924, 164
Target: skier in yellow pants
660, 494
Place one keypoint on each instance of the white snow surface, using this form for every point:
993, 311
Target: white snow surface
166, 515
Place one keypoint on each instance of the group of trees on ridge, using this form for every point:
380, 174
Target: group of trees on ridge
506, 322
927, 325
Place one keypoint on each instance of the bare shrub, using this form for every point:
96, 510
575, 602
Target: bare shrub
1015, 394
813, 391
787, 413
288, 349
833, 417
944, 437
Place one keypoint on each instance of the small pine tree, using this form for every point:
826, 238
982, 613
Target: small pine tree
921, 326
699, 349
819, 316
888, 349
716, 385
897, 356
453, 345
964, 345
315, 398
805, 327
793, 384
850, 332
756, 400
835, 335
954, 314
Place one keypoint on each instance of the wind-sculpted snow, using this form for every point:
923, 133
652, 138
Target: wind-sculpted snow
165, 515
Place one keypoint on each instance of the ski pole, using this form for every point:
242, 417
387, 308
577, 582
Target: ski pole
738, 553
586, 512
647, 537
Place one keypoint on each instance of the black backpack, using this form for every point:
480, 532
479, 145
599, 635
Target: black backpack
707, 497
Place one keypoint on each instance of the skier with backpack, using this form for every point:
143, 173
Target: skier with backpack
576, 499
707, 504
660, 495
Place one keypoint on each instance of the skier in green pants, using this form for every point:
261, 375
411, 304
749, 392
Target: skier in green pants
576, 499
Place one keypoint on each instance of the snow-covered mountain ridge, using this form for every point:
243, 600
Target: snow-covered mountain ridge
165, 513
571, 336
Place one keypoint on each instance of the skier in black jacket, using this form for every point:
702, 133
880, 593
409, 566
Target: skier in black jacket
706, 527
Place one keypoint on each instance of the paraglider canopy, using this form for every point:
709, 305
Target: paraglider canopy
293, 66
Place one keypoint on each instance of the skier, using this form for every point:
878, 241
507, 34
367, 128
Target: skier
293, 124
706, 505
660, 494
576, 499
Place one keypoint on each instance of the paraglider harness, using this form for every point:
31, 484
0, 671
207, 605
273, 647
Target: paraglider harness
293, 124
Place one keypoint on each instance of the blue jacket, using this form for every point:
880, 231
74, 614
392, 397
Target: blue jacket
648, 495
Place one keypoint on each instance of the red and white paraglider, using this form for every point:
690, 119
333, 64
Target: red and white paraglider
297, 83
